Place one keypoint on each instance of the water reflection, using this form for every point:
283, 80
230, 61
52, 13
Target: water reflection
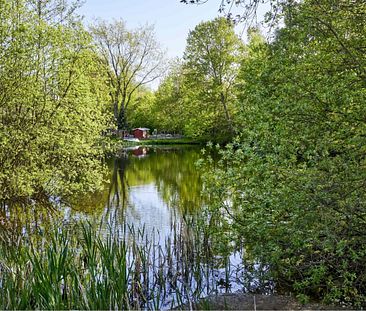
153, 186
171, 171
150, 188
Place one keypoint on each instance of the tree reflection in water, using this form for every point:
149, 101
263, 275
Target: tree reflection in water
152, 186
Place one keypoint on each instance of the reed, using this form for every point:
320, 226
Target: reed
85, 267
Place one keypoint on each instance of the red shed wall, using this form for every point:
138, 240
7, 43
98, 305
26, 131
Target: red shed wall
138, 134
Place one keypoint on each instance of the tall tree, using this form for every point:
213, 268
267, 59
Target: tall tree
132, 58
211, 65
296, 174
169, 109
50, 101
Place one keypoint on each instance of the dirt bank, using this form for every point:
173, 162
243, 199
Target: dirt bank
255, 302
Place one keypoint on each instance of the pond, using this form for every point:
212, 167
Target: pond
152, 199
150, 187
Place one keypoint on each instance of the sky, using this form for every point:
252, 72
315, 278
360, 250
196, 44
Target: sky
172, 19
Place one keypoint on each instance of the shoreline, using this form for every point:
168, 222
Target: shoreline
243, 301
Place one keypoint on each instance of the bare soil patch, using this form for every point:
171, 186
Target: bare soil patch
256, 302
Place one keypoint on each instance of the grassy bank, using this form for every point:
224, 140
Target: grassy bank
171, 141
112, 144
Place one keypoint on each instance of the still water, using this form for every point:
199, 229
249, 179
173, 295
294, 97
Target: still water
145, 187
156, 190
150, 187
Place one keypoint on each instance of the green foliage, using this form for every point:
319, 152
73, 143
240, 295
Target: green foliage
65, 271
82, 267
292, 182
210, 68
130, 59
141, 111
196, 98
169, 110
51, 102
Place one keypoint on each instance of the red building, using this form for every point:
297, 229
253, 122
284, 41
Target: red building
141, 132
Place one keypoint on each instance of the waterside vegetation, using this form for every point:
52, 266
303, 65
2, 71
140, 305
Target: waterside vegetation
288, 116
80, 267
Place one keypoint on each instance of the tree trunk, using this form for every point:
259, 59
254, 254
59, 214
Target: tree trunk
227, 115
115, 110
122, 119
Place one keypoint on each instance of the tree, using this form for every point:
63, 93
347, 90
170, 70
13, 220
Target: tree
132, 58
293, 182
50, 102
211, 63
140, 111
169, 109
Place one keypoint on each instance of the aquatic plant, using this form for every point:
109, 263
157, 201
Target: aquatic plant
84, 267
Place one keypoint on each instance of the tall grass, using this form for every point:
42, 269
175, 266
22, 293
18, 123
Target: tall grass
81, 267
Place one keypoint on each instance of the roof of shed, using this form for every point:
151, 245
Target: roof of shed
142, 128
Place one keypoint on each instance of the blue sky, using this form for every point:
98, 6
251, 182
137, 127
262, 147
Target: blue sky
172, 19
